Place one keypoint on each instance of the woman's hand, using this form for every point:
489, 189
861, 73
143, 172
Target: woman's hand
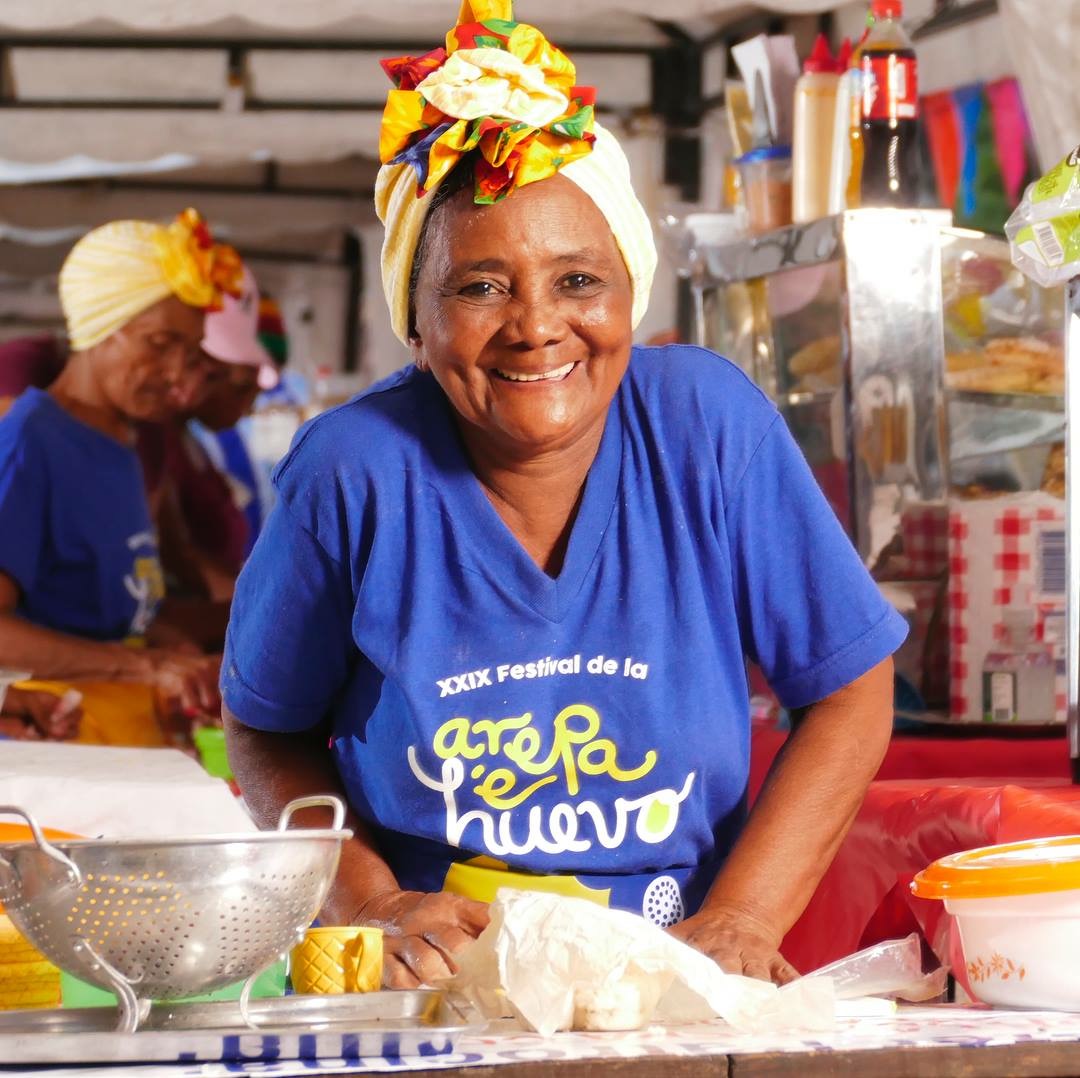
44, 715
188, 683
422, 932
738, 942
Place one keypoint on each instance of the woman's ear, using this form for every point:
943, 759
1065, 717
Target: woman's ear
416, 347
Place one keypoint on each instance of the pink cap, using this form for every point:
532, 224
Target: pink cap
231, 334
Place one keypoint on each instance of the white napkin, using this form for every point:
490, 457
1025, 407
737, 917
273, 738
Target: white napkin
560, 963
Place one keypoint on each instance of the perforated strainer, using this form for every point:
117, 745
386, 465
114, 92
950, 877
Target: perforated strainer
164, 919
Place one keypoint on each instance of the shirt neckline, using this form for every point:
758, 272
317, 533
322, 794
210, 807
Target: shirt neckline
42, 398
495, 551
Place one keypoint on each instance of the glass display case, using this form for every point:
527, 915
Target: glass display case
923, 377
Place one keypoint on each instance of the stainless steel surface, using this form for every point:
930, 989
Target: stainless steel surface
357, 1025
896, 368
1072, 518
1032, 402
164, 919
808, 244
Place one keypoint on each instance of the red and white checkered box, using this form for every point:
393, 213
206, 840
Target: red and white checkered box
924, 530
1003, 552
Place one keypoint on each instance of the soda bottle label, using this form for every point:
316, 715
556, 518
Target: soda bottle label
890, 87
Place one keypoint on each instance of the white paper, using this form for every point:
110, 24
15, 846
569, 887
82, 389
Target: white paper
542, 956
100, 791
778, 61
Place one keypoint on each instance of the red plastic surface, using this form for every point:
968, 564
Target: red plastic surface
906, 823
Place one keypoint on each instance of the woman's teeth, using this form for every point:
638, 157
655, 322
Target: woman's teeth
547, 376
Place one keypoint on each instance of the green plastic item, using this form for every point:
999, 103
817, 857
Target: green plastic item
210, 741
78, 993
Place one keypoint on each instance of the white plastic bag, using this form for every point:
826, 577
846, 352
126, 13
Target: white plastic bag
891, 969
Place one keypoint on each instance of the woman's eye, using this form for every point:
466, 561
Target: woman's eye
578, 280
481, 289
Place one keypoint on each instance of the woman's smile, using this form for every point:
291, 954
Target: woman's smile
536, 378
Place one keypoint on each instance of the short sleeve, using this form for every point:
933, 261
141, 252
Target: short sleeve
810, 614
24, 494
289, 648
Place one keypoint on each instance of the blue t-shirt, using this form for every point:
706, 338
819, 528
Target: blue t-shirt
75, 531
597, 723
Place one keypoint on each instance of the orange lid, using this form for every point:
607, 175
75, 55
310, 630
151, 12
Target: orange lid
1016, 868
19, 832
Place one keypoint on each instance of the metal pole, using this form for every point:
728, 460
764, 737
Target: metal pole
1072, 514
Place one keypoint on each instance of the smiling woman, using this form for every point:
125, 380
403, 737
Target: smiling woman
517, 583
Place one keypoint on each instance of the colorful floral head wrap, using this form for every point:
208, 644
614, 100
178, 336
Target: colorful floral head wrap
500, 90
119, 270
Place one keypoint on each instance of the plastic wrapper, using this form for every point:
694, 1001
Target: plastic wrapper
557, 963
1044, 230
891, 969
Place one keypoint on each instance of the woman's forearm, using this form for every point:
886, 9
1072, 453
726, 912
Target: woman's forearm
48, 654
808, 802
274, 769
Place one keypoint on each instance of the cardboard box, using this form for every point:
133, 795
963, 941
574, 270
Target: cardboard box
1003, 552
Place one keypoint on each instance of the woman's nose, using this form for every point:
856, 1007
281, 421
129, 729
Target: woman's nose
535, 322
189, 386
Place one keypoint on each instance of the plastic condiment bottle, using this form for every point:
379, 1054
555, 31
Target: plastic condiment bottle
815, 119
855, 156
889, 111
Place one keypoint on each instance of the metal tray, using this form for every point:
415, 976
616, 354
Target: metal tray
424, 1022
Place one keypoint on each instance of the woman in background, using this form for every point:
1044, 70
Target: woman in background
80, 580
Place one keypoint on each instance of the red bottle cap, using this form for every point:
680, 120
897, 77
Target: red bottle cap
820, 61
888, 9
843, 56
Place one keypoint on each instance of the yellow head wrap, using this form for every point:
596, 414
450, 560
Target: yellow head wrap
119, 270
501, 90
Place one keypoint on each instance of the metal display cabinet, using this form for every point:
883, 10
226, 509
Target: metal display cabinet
1072, 510
845, 322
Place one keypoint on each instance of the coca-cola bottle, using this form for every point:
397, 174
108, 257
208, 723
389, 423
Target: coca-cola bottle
889, 85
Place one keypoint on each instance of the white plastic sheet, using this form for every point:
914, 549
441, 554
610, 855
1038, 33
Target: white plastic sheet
288, 14
93, 790
1044, 38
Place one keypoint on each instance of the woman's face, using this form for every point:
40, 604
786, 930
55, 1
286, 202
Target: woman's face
152, 369
522, 312
230, 393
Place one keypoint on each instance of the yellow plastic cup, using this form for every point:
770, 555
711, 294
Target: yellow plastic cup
334, 960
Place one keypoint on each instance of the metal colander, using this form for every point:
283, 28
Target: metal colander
164, 919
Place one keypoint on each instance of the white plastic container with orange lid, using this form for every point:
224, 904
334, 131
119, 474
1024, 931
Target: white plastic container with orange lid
1017, 908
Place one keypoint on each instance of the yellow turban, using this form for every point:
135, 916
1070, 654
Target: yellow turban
119, 270
499, 90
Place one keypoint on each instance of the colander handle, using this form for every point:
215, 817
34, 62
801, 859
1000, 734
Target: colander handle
43, 843
319, 801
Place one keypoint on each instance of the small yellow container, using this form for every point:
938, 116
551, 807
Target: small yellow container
334, 960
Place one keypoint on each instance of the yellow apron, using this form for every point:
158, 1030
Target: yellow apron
481, 877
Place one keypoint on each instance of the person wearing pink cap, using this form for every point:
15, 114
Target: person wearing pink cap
211, 511
231, 337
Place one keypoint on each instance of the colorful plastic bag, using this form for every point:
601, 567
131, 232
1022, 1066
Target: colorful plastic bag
1044, 230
